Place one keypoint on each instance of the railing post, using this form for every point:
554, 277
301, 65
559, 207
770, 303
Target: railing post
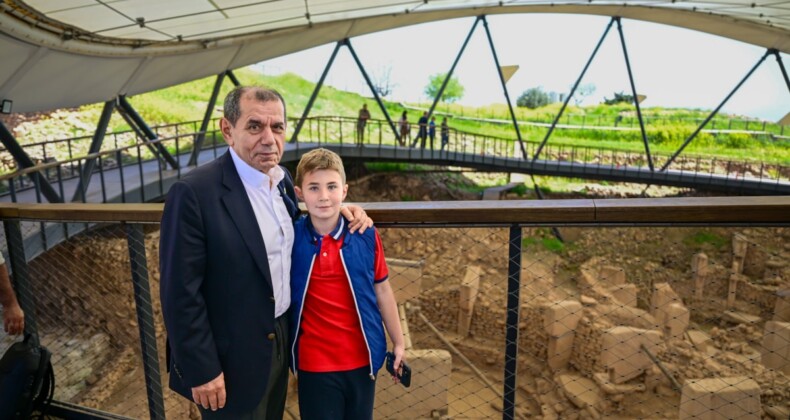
511, 331
145, 320
21, 277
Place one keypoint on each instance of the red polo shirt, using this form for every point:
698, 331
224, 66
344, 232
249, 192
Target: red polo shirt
331, 338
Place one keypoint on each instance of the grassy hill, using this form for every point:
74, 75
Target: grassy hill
666, 128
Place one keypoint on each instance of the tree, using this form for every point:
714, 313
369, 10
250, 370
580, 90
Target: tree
533, 98
582, 92
618, 98
382, 81
452, 92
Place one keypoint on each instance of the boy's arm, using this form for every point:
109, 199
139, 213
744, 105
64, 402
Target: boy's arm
389, 314
357, 218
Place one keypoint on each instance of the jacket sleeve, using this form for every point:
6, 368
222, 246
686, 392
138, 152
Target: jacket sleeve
182, 256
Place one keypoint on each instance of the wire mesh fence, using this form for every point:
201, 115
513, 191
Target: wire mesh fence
612, 322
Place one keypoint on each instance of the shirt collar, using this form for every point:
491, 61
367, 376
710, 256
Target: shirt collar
254, 177
336, 233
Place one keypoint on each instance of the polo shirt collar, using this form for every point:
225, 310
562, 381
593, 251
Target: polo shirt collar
336, 233
254, 177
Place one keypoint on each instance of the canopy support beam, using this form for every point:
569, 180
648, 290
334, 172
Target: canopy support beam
95, 147
573, 89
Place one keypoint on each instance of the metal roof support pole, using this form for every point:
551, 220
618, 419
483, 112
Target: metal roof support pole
573, 89
96, 142
149, 135
137, 133
198, 145
347, 43
633, 92
233, 78
715, 111
781, 67
24, 161
300, 123
504, 87
452, 68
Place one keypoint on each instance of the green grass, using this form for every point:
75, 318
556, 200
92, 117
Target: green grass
545, 240
667, 127
702, 238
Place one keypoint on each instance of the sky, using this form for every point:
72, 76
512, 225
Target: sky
673, 67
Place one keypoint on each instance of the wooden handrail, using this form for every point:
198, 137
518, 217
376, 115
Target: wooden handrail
708, 210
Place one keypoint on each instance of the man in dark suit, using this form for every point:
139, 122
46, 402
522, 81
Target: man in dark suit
225, 256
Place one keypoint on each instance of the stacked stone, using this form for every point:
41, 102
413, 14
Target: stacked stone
440, 306
763, 296
533, 338
588, 343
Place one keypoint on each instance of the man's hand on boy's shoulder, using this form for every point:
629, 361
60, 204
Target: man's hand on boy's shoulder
357, 218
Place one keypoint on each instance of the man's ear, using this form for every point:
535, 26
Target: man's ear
345, 190
299, 194
225, 127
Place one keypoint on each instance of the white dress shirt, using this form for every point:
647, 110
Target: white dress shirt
268, 205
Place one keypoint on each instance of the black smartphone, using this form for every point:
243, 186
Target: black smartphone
405, 376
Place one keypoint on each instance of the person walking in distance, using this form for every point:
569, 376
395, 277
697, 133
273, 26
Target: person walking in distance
445, 133
362, 121
405, 129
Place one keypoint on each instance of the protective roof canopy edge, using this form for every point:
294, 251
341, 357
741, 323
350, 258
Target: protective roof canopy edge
42, 71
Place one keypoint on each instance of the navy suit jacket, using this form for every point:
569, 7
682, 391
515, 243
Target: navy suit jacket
216, 287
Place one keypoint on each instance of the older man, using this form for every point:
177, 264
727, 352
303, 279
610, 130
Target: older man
225, 255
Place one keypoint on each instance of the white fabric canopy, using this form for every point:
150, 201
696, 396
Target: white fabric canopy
62, 53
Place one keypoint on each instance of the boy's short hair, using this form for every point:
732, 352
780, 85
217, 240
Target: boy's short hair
319, 159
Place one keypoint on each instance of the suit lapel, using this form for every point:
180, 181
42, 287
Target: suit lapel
240, 210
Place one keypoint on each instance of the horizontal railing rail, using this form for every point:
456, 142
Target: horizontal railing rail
149, 182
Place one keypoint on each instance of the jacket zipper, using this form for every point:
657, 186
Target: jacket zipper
299, 317
359, 315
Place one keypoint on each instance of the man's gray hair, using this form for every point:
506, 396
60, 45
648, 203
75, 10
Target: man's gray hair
232, 106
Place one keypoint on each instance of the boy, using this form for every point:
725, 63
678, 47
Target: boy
340, 296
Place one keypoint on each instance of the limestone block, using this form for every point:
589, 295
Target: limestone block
621, 352
611, 276
560, 350
776, 346
699, 264
405, 278
602, 379
628, 315
663, 295
430, 382
699, 339
582, 392
740, 317
732, 289
560, 318
470, 286
740, 244
625, 294
720, 398
782, 308
677, 321
699, 270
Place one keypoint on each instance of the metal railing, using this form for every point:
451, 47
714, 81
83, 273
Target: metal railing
645, 295
138, 175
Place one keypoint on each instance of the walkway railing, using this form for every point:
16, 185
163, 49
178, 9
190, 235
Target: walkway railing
652, 308
145, 177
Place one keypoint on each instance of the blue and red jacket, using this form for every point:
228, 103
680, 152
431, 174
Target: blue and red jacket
357, 254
